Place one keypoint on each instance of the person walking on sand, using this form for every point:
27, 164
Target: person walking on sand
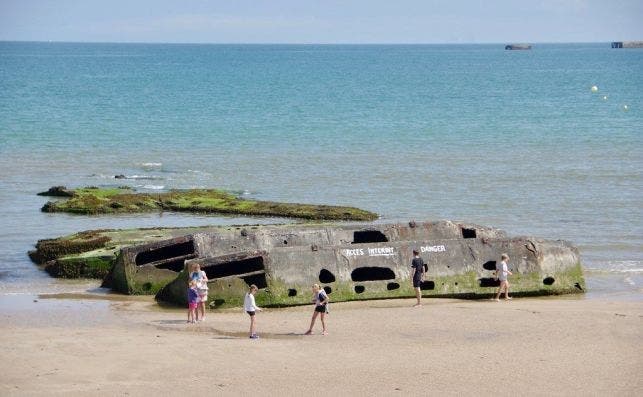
201, 280
251, 308
501, 274
417, 276
193, 302
320, 298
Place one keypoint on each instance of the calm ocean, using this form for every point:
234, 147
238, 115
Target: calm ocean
512, 139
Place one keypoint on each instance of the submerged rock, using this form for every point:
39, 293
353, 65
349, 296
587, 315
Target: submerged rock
93, 200
58, 191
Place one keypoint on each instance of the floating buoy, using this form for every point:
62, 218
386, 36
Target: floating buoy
605, 97
625, 107
594, 88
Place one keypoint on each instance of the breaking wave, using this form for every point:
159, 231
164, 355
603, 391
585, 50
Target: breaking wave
618, 267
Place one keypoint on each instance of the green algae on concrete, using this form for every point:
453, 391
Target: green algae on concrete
92, 253
50, 249
93, 200
284, 261
80, 267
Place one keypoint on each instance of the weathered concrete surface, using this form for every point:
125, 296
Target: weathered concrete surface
92, 253
362, 262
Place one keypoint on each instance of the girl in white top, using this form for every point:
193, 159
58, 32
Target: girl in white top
201, 279
501, 273
251, 307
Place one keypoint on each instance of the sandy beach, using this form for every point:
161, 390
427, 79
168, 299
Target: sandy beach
110, 345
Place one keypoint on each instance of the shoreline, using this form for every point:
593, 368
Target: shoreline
107, 346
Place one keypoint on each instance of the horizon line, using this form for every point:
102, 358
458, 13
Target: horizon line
308, 43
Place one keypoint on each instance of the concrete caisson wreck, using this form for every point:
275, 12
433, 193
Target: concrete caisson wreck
351, 262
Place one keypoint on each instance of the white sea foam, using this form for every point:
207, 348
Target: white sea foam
619, 267
199, 172
144, 177
154, 187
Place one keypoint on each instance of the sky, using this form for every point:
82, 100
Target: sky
322, 21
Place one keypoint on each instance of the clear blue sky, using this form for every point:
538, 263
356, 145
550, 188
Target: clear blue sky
322, 21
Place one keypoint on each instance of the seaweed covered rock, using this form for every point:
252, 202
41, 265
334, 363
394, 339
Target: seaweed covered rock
50, 249
58, 191
92, 200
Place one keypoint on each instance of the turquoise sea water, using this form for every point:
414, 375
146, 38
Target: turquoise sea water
513, 139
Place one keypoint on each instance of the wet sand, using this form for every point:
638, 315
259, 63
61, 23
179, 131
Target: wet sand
72, 345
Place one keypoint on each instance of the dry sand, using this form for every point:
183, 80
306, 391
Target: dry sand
544, 346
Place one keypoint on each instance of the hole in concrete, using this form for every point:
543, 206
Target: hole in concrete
426, 268
292, 292
489, 282
372, 273
427, 285
359, 289
285, 242
455, 283
490, 265
468, 233
326, 277
233, 268
548, 280
166, 252
369, 236
175, 266
392, 286
257, 279
328, 290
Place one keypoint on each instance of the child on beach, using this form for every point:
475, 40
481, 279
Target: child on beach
501, 273
193, 302
320, 298
201, 280
251, 307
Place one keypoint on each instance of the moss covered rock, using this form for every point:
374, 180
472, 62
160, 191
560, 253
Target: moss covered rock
119, 200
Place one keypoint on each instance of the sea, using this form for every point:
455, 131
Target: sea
546, 142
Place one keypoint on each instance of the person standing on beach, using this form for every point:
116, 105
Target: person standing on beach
193, 302
320, 298
501, 273
251, 308
417, 276
201, 279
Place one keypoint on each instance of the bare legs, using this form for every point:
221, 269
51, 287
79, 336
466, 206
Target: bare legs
252, 325
312, 323
504, 284
418, 296
201, 308
192, 313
